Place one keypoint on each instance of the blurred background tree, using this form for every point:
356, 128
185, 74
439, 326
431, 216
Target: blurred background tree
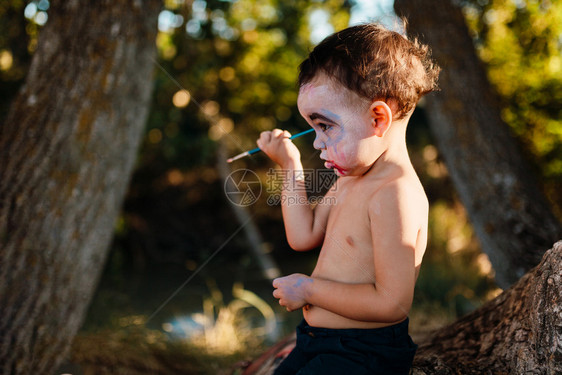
520, 43
226, 70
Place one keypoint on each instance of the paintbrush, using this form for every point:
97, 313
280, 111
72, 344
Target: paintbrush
257, 149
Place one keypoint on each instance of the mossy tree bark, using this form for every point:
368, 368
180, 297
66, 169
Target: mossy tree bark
510, 215
67, 149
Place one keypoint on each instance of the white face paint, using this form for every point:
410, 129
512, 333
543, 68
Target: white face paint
344, 131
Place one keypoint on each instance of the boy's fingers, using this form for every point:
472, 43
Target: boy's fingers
286, 134
265, 135
276, 132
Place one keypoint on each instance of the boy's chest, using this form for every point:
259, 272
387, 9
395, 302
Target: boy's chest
347, 251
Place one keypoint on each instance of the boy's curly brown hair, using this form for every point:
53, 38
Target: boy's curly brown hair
375, 63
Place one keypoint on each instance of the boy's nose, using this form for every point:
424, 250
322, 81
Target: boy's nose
318, 143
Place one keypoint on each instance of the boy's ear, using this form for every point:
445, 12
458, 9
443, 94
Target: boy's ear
381, 117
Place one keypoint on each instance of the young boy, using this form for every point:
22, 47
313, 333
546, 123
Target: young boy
358, 89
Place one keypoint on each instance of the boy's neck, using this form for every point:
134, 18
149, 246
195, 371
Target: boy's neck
394, 156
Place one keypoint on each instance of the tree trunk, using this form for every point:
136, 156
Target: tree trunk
509, 213
67, 149
519, 332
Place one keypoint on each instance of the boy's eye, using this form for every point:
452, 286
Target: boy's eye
323, 126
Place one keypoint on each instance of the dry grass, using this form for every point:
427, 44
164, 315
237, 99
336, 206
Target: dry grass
139, 351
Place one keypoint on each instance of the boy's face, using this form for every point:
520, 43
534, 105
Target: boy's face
344, 131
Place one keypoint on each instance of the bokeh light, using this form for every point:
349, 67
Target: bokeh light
181, 98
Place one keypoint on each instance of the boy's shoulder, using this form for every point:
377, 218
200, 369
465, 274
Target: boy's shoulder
402, 191
398, 195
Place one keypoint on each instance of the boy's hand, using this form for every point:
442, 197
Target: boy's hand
277, 145
292, 290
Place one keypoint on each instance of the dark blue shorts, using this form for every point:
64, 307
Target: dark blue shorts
323, 351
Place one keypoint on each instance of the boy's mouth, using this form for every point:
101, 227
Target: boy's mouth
331, 165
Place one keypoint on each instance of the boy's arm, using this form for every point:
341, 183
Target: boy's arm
395, 226
304, 226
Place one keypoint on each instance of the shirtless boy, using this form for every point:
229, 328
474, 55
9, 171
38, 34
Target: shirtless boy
358, 89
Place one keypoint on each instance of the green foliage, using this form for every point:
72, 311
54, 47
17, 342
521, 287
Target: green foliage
238, 62
520, 42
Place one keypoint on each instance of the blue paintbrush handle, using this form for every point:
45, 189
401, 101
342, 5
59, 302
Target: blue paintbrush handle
257, 149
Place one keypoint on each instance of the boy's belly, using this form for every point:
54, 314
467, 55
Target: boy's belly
345, 271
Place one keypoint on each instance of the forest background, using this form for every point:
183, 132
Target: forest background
226, 71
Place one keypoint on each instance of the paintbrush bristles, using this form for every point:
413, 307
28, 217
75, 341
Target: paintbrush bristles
239, 156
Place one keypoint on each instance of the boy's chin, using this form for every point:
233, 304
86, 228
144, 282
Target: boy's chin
337, 170
340, 172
